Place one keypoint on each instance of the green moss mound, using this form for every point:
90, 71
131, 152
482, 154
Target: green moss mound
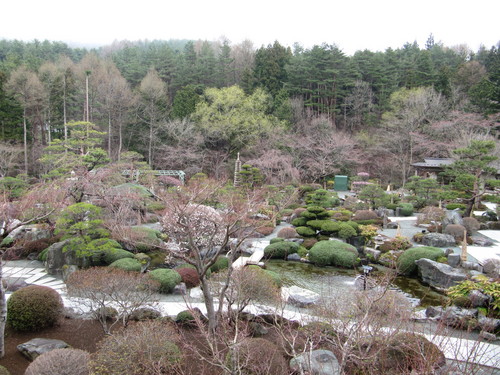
33, 308
220, 264
276, 239
333, 253
280, 250
299, 222
330, 226
167, 278
406, 262
305, 231
127, 264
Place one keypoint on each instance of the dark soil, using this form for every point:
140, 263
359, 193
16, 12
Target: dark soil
80, 334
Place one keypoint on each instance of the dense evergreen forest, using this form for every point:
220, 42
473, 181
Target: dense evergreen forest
295, 113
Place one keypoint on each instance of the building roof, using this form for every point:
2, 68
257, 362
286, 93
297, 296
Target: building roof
434, 162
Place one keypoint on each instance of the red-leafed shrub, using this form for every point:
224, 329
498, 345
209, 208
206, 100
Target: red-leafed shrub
189, 277
365, 215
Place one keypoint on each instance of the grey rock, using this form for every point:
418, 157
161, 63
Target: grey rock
68, 270
438, 275
472, 266
32, 232
452, 217
491, 267
257, 329
478, 299
300, 241
488, 324
454, 260
293, 257
317, 362
57, 258
482, 241
392, 225
36, 347
438, 240
458, 317
434, 311
300, 297
487, 336
145, 313
180, 290
11, 285
375, 254
449, 251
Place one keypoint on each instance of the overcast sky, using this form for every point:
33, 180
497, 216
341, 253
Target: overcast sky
350, 24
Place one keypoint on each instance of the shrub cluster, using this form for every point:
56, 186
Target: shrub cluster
33, 308
287, 232
406, 262
221, 263
281, 249
305, 231
167, 278
62, 362
127, 264
335, 253
406, 209
189, 277
456, 230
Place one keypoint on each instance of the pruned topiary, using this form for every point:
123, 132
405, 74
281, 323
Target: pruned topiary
221, 263
33, 308
281, 249
189, 277
167, 278
287, 232
335, 253
127, 264
305, 231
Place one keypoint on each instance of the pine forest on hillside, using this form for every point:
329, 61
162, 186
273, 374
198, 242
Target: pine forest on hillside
297, 114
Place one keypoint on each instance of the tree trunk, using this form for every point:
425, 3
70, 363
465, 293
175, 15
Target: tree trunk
25, 140
209, 304
3, 311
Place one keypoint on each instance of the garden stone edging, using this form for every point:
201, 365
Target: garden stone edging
438, 240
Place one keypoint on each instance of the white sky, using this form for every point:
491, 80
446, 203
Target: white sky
350, 24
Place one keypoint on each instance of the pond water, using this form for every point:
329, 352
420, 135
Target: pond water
331, 281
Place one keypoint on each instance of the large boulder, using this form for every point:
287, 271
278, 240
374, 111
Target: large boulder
452, 217
57, 258
317, 362
438, 275
453, 316
300, 297
36, 347
29, 233
438, 240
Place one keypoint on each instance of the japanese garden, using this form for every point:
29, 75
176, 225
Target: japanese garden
201, 207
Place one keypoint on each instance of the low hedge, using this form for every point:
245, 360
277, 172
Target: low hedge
167, 278
406, 262
316, 224
330, 226
281, 249
127, 264
346, 231
334, 253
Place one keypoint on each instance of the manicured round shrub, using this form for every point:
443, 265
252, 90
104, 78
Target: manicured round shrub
302, 251
309, 242
33, 308
189, 277
336, 253
330, 226
277, 239
315, 209
309, 215
286, 212
299, 222
454, 206
112, 255
365, 215
406, 209
298, 211
287, 232
316, 224
127, 264
62, 362
281, 250
220, 264
471, 224
406, 262
184, 317
305, 231
456, 230
346, 231
265, 231
167, 278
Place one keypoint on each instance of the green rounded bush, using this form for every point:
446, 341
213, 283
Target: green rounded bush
454, 206
220, 264
336, 253
406, 262
280, 249
308, 215
299, 222
330, 226
276, 239
184, 317
127, 264
167, 278
33, 308
406, 209
316, 224
346, 231
112, 255
305, 231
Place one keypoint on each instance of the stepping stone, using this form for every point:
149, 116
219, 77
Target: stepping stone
36, 277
